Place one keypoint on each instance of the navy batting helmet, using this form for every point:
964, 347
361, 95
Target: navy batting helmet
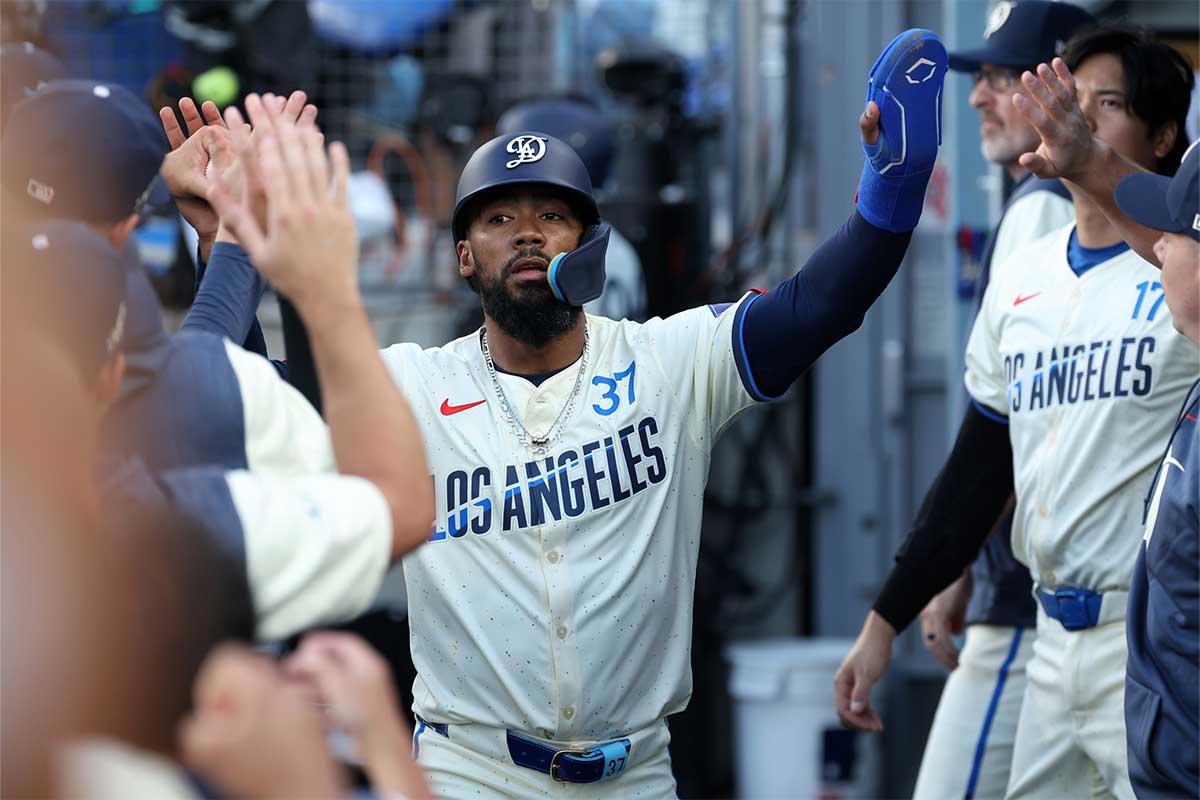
576, 122
534, 158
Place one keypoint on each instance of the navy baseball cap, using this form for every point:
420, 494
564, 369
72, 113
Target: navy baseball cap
84, 150
23, 68
1165, 204
1023, 34
75, 279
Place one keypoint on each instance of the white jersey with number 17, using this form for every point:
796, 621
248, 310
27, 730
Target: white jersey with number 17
1088, 369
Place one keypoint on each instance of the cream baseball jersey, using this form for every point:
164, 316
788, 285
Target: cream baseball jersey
554, 595
315, 547
1088, 370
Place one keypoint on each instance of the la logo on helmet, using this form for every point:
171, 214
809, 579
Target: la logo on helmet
527, 149
998, 18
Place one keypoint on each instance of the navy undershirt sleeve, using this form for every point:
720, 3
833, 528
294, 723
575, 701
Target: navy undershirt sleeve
955, 518
228, 291
785, 330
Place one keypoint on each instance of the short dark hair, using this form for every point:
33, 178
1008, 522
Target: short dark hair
1158, 79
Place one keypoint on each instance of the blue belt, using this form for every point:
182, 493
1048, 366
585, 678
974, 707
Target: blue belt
1076, 609
599, 763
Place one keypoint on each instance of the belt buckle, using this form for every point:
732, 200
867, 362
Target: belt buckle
554, 763
1072, 609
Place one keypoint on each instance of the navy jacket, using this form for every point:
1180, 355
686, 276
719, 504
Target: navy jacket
1162, 683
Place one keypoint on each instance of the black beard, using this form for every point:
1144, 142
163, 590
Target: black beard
532, 315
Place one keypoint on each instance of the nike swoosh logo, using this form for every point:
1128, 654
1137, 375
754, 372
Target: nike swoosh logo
448, 410
1020, 299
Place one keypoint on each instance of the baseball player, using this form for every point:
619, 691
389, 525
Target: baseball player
593, 137
969, 749
551, 606
1156, 216
193, 398
1074, 367
314, 543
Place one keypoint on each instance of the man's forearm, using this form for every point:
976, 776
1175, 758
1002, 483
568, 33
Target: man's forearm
1099, 183
954, 520
374, 433
788, 328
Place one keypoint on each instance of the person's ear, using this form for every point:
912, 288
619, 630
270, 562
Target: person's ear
466, 259
1164, 138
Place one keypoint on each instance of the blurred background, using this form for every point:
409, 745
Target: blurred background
722, 135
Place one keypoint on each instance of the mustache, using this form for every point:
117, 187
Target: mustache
527, 252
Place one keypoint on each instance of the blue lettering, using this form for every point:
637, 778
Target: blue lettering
543, 492
1057, 379
1090, 371
646, 428
572, 490
481, 478
514, 502
1122, 367
1100, 391
631, 461
1145, 348
1036, 397
1076, 374
456, 498
619, 492
594, 475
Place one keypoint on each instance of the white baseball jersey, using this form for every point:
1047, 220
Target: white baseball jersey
315, 547
555, 593
1089, 371
1030, 217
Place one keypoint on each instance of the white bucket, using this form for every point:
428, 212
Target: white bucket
789, 742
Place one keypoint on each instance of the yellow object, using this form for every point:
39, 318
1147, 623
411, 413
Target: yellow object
219, 84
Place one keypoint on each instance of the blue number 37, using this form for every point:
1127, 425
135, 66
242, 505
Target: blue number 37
610, 394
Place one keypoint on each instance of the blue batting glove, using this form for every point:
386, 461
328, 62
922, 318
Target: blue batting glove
906, 84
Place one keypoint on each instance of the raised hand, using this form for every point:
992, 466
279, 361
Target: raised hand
210, 139
354, 684
308, 247
1053, 109
183, 170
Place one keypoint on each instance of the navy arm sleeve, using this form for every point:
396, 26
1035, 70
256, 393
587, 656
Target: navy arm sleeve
785, 330
228, 291
955, 518
301, 370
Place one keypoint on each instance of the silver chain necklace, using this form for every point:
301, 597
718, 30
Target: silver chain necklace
536, 444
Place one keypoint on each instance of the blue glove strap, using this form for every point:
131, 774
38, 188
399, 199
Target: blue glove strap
891, 204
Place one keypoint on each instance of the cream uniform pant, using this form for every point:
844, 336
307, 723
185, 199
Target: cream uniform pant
970, 746
1071, 734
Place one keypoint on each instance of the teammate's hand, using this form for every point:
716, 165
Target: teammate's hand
308, 249
354, 683
253, 735
944, 617
241, 174
1052, 108
861, 670
183, 168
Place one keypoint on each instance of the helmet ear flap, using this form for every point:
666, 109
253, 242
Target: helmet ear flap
577, 277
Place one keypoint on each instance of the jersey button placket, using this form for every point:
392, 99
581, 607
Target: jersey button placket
559, 594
